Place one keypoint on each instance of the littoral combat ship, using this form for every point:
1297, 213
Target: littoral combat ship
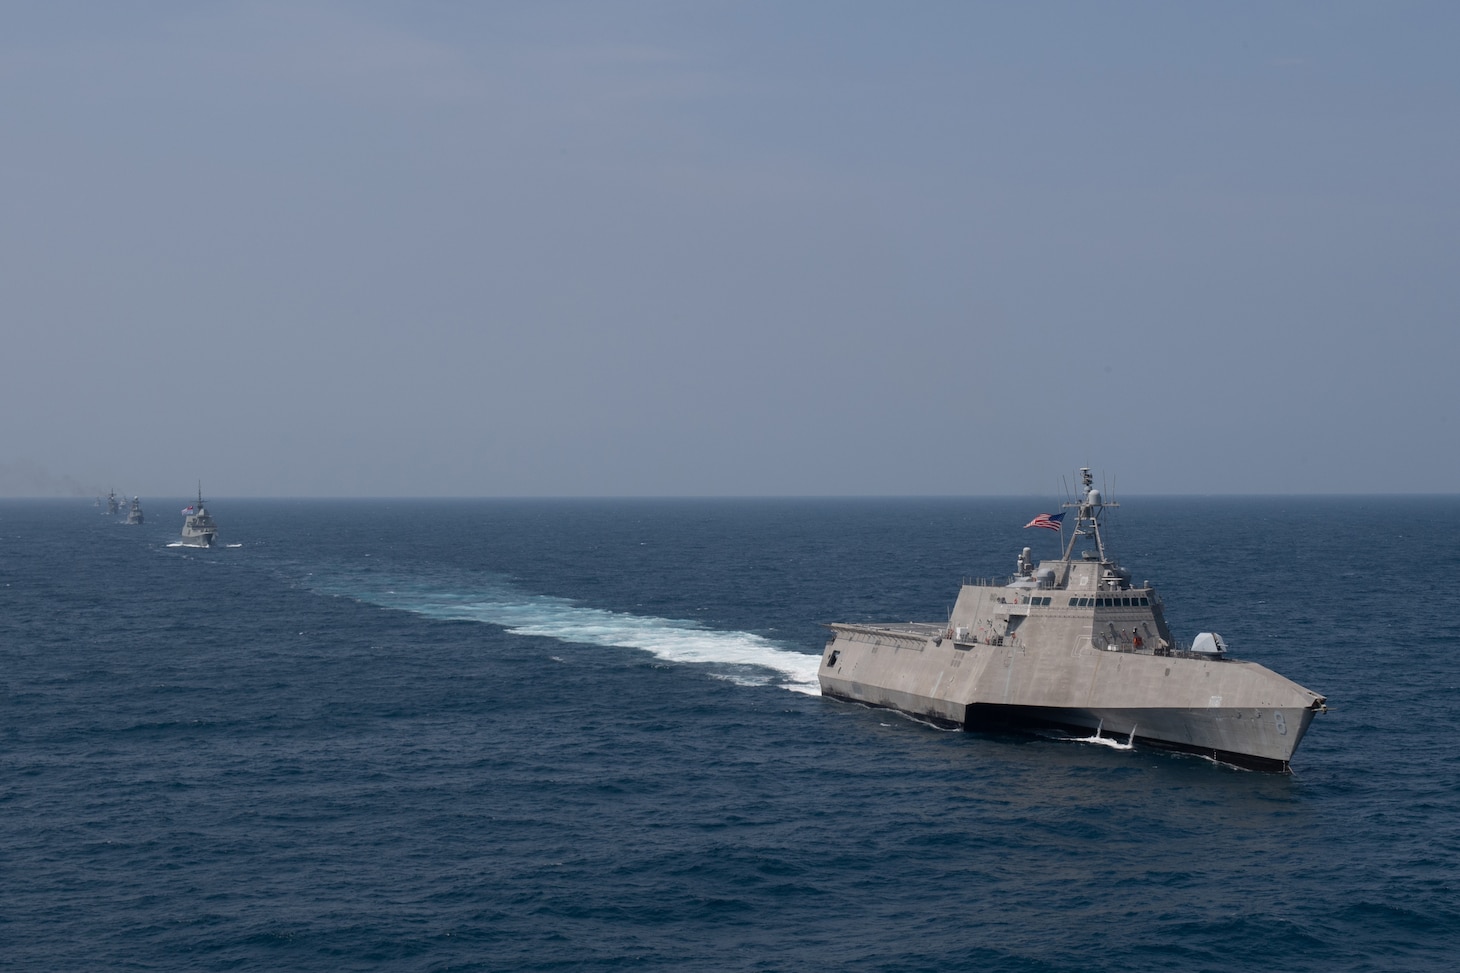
199, 528
1072, 644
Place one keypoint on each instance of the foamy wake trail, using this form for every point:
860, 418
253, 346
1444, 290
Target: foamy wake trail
740, 657
1105, 741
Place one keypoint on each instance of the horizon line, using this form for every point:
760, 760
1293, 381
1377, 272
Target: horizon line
744, 496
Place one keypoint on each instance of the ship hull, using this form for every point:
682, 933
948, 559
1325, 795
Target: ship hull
1181, 731
1236, 712
199, 529
1233, 736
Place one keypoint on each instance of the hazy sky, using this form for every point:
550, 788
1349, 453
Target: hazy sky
720, 248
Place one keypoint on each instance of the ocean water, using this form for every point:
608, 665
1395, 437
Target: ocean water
585, 735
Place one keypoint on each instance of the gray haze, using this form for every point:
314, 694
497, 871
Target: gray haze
727, 248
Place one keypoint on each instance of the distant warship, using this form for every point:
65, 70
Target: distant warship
1072, 644
134, 512
199, 529
112, 504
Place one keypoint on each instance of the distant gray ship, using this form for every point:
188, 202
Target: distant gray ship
1072, 644
113, 506
199, 529
134, 512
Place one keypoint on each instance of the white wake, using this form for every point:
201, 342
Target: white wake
1104, 741
740, 657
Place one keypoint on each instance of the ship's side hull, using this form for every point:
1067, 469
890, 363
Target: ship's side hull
1229, 735
198, 540
199, 529
1234, 711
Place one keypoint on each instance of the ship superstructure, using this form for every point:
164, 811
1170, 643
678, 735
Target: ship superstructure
199, 528
1073, 643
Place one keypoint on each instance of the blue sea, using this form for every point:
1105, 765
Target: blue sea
585, 735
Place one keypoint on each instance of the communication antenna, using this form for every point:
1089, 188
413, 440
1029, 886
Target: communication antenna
1089, 507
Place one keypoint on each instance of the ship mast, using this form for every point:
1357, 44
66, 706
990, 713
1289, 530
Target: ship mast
1087, 517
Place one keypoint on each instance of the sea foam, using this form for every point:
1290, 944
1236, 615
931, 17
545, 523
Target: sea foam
743, 658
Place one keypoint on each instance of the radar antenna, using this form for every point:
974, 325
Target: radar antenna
1087, 517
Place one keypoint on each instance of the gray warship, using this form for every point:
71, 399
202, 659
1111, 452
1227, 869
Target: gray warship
134, 512
199, 529
1072, 644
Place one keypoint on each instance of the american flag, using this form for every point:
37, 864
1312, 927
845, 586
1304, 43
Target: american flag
1046, 521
